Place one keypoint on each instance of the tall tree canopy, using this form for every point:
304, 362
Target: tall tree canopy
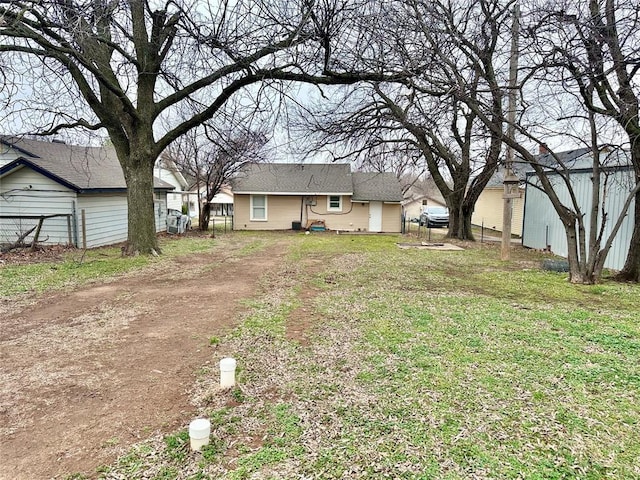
127, 66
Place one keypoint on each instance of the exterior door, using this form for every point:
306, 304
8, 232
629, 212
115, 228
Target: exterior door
375, 216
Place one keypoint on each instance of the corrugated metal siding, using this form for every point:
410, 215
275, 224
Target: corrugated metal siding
543, 226
618, 192
26, 192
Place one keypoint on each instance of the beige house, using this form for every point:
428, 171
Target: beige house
488, 208
270, 196
420, 196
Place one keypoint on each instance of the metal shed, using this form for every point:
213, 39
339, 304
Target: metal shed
542, 227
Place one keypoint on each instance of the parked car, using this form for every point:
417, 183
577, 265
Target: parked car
435, 217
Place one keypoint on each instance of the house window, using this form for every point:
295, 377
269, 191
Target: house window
259, 208
334, 203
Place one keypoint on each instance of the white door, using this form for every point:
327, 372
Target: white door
375, 216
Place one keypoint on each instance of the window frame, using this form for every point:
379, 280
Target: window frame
252, 207
334, 209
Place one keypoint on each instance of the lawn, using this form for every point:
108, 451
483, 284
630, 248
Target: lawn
416, 364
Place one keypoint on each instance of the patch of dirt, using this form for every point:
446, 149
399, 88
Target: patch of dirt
86, 372
23, 256
303, 319
430, 246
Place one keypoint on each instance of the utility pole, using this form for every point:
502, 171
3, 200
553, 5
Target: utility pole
510, 180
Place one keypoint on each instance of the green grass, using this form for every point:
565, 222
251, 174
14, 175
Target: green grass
501, 371
420, 365
40, 277
177, 446
80, 267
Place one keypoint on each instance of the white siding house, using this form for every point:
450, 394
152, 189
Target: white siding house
542, 227
80, 190
222, 202
17, 195
168, 172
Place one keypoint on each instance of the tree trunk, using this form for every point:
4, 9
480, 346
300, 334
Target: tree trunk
576, 275
460, 224
577, 271
138, 172
459, 212
205, 216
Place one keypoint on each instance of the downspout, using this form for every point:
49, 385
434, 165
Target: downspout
301, 207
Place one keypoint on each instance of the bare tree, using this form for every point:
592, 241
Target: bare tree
425, 116
596, 47
212, 158
135, 63
590, 228
452, 144
587, 247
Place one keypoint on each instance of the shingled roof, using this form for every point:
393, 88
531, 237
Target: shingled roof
520, 170
316, 179
294, 179
80, 168
383, 187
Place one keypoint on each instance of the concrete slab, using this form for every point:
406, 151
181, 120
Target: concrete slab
430, 246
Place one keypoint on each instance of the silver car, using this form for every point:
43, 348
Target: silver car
434, 217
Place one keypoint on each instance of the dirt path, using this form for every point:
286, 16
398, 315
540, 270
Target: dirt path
84, 372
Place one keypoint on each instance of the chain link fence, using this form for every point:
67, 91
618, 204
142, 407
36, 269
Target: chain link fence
22, 231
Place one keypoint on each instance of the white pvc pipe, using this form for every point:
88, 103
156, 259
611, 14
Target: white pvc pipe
227, 372
199, 431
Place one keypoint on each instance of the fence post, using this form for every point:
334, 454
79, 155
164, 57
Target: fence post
84, 229
69, 228
37, 234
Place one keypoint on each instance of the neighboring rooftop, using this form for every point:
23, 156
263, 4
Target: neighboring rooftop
80, 168
568, 158
520, 170
424, 190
